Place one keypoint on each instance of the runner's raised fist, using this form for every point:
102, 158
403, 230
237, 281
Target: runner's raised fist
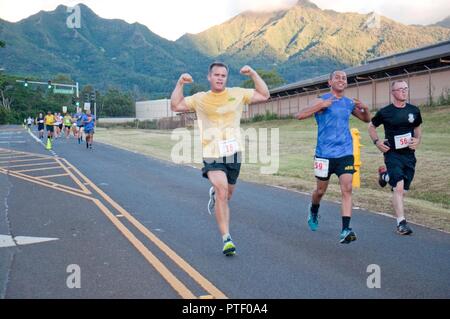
247, 71
185, 79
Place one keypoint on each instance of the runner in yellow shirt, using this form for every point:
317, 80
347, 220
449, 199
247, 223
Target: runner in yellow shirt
49, 123
219, 113
67, 120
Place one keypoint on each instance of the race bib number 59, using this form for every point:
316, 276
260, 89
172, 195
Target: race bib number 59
321, 167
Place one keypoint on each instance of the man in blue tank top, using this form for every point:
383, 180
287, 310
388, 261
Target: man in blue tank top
334, 151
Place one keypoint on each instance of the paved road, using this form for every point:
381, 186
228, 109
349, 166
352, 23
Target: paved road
138, 228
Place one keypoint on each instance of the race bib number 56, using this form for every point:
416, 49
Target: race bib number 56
321, 167
402, 141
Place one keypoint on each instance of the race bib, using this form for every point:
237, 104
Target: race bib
321, 167
228, 147
402, 141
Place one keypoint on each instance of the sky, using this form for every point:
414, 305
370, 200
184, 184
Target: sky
173, 18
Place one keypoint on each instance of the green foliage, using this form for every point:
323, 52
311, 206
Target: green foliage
19, 102
272, 79
105, 53
147, 125
444, 99
300, 43
7, 117
116, 104
269, 116
197, 87
305, 41
136, 124
2, 44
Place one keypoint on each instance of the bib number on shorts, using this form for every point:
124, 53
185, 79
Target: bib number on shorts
228, 147
402, 141
321, 167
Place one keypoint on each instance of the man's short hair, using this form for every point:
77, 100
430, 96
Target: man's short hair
220, 64
397, 81
334, 72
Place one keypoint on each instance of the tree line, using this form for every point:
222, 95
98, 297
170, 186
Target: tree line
18, 101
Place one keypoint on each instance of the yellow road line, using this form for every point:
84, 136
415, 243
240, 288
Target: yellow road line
176, 284
15, 156
76, 180
36, 169
52, 176
27, 153
194, 274
30, 165
22, 161
43, 183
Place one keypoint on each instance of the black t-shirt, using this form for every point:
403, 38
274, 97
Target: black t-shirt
398, 122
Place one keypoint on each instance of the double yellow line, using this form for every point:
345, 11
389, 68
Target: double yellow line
173, 281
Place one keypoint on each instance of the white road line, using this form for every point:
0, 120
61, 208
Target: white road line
9, 241
13, 142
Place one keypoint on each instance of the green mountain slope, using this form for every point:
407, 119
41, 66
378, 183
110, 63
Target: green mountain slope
304, 40
102, 52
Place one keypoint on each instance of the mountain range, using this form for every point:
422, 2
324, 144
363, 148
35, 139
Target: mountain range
300, 42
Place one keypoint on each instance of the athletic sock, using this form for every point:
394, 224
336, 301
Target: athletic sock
315, 209
226, 237
400, 219
346, 222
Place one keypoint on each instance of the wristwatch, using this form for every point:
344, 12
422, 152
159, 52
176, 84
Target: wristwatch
376, 141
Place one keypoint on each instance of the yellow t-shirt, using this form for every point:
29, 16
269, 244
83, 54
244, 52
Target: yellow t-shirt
219, 119
67, 120
50, 119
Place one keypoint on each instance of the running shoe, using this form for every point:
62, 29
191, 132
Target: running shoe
403, 228
347, 236
382, 172
313, 220
229, 249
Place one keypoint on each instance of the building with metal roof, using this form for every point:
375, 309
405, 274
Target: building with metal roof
426, 69
419, 59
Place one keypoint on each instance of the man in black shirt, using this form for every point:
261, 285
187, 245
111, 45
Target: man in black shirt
403, 134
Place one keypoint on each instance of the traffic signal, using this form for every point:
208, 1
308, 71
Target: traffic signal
25, 84
86, 97
93, 96
49, 84
75, 101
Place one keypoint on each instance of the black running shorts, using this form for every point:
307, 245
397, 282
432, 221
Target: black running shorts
230, 165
